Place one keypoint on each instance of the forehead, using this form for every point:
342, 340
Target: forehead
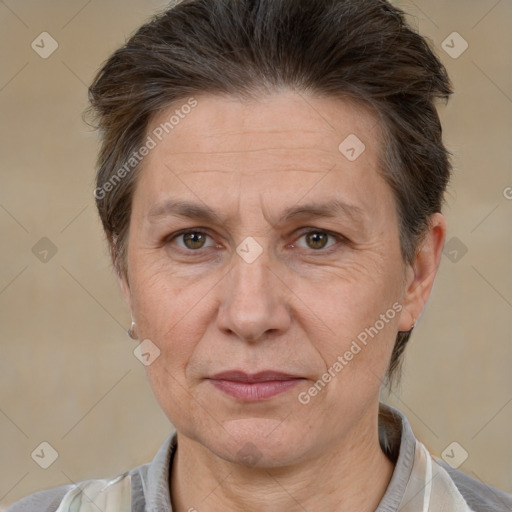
282, 120
279, 147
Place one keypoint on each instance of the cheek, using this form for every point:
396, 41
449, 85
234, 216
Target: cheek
358, 321
161, 309
159, 299
352, 297
173, 395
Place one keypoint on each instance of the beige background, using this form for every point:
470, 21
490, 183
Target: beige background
67, 372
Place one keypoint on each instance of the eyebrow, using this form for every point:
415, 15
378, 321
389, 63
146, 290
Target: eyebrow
201, 212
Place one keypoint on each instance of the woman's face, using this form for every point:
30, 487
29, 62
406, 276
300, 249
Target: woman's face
297, 262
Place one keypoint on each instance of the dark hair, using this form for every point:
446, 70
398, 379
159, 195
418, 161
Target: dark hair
360, 49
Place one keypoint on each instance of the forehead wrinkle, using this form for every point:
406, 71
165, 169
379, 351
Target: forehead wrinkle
270, 129
248, 173
260, 150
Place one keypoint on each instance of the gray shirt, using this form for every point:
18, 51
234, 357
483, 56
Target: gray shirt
150, 488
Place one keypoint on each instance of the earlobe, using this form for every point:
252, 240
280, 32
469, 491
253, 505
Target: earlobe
421, 274
407, 316
126, 292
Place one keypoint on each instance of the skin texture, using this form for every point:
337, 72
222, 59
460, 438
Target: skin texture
295, 309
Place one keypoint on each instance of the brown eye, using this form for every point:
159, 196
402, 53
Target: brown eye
190, 240
318, 239
194, 240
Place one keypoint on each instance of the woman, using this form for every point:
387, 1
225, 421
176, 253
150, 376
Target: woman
270, 183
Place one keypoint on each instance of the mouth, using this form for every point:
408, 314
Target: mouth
255, 387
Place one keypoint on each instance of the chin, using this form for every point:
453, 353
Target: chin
257, 442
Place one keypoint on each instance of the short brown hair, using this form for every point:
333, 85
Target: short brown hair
362, 49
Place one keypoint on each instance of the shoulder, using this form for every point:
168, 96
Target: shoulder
127, 491
118, 492
41, 501
479, 496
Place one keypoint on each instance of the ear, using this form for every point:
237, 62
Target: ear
421, 274
123, 283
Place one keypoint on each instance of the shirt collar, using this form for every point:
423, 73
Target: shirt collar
398, 442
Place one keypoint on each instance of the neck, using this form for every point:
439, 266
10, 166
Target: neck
353, 475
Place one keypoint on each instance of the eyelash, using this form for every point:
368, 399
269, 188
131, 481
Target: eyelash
332, 248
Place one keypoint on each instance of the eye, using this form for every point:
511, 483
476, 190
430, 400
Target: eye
195, 240
317, 239
191, 239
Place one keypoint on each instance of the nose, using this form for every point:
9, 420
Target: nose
254, 301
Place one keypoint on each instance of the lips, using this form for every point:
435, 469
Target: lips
265, 376
254, 387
